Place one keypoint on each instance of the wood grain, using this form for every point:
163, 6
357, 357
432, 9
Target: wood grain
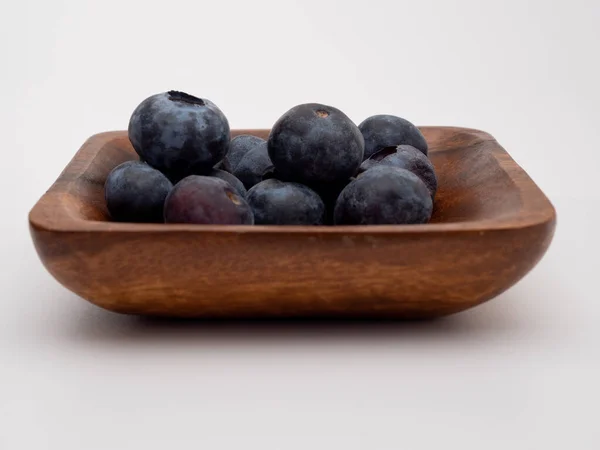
491, 225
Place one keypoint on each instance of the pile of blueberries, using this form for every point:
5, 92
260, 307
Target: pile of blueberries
316, 167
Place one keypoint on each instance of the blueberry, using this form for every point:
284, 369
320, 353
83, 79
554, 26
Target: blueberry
409, 158
238, 147
386, 131
404, 157
206, 200
276, 202
314, 143
179, 134
376, 158
231, 179
254, 165
384, 195
135, 192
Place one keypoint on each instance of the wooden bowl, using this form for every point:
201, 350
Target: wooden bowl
491, 225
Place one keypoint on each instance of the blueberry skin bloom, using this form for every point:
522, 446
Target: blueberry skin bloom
390, 131
238, 147
179, 134
384, 195
314, 143
276, 202
135, 192
206, 200
254, 166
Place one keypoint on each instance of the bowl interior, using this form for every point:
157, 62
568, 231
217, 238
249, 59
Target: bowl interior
473, 185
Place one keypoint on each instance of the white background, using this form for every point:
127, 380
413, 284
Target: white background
520, 372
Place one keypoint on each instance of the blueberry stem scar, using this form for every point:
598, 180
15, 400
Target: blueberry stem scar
178, 96
234, 198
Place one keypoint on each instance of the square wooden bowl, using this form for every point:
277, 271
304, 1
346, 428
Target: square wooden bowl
491, 225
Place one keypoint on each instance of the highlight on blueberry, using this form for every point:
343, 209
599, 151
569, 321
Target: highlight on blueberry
179, 134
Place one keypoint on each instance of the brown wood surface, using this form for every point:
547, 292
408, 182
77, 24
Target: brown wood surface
491, 225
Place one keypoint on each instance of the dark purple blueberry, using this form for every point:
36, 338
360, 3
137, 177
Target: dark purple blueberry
376, 158
231, 179
254, 165
409, 158
390, 131
238, 147
277, 202
404, 157
384, 195
179, 134
206, 200
135, 192
314, 143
